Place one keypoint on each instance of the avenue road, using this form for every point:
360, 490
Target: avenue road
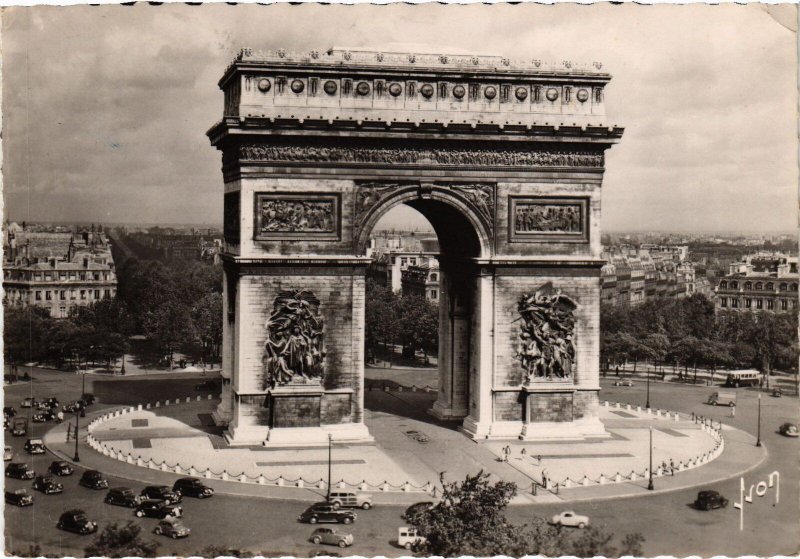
667, 521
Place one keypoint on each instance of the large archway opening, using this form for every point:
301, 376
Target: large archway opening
423, 252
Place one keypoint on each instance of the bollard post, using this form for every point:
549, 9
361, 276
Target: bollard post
280, 480
242, 478
385, 486
262, 481
300, 483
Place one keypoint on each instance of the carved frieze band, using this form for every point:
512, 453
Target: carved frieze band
420, 156
558, 218
480, 197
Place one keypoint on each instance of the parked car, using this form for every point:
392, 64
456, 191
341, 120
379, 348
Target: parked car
50, 402
44, 416
777, 392
325, 512
8, 453
123, 497
409, 537
331, 536
88, 397
707, 500
157, 509
76, 521
788, 430
208, 385
20, 470
415, 509
93, 480
624, 382
34, 446
161, 493
192, 487
171, 527
569, 518
9, 411
47, 485
19, 498
19, 427
73, 407
29, 402
350, 500
61, 468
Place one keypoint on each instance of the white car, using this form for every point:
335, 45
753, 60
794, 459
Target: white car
625, 382
8, 453
569, 518
408, 537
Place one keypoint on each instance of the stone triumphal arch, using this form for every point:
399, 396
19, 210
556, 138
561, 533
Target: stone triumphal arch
505, 159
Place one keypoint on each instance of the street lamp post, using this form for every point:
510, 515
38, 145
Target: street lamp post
758, 435
76, 458
647, 404
650, 483
330, 443
122, 369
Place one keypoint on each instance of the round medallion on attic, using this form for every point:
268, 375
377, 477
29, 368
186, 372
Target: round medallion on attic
264, 85
330, 87
298, 86
459, 91
582, 95
362, 88
552, 94
521, 93
426, 90
490, 92
395, 89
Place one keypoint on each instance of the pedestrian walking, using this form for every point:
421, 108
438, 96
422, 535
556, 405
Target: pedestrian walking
544, 478
671, 467
733, 411
60, 416
539, 460
523, 452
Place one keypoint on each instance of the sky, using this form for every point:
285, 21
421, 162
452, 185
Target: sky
105, 108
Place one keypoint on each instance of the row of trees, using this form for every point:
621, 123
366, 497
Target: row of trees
170, 305
686, 332
409, 320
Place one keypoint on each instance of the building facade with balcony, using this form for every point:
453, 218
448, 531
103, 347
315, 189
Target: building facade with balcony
759, 282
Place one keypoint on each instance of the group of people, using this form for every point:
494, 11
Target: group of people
293, 215
532, 218
546, 347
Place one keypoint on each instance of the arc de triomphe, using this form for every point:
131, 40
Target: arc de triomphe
506, 161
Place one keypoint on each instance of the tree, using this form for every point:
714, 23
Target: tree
418, 326
168, 325
207, 317
121, 541
381, 325
469, 520
25, 334
658, 346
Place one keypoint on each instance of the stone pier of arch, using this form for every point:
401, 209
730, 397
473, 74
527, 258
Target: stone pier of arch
506, 161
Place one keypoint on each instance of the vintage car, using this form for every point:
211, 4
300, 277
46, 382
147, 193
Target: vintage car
415, 509
171, 527
8, 453
192, 487
707, 500
350, 500
211, 385
73, 407
408, 537
161, 493
50, 402
9, 411
19, 498
20, 470
34, 446
777, 392
157, 509
61, 468
44, 416
19, 427
47, 485
788, 430
123, 497
88, 398
332, 537
624, 382
569, 518
93, 480
76, 521
325, 512
29, 402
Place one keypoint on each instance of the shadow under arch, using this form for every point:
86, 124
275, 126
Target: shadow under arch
460, 230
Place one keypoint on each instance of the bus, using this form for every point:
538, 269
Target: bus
743, 378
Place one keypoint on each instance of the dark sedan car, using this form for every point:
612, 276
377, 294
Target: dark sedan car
61, 468
19, 498
123, 497
88, 398
707, 500
44, 416
208, 385
47, 485
157, 509
93, 480
20, 470
34, 446
324, 512
76, 521
73, 407
161, 493
192, 487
